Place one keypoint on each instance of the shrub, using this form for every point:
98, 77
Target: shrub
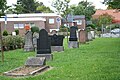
64, 29
35, 29
13, 42
17, 32
5, 33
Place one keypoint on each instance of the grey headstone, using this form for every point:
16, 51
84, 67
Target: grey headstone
73, 44
89, 36
28, 42
35, 61
93, 34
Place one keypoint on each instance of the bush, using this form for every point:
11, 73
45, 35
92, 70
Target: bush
35, 29
64, 29
12, 42
17, 32
5, 33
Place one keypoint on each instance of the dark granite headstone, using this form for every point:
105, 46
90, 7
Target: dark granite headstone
57, 43
73, 43
57, 40
73, 35
44, 45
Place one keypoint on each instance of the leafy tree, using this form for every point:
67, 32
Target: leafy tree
44, 9
3, 7
105, 19
62, 7
25, 6
84, 8
112, 4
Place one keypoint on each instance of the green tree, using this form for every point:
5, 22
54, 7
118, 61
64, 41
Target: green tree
62, 7
3, 7
112, 4
25, 6
44, 9
84, 8
105, 19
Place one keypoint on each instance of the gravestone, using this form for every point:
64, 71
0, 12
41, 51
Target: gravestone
73, 43
44, 45
57, 43
89, 36
93, 34
35, 37
35, 61
82, 36
28, 41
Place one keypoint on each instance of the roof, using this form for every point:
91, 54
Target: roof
23, 19
71, 18
115, 13
32, 15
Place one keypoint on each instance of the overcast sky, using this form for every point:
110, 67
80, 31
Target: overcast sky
96, 3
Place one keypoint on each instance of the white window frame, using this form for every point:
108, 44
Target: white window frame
79, 22
51, 20
21, 26
16, 26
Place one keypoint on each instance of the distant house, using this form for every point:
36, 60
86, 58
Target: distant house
113, 13
79, 19
42, 20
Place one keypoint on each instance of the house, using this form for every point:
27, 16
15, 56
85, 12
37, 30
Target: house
48, 21
79, 19
114, 13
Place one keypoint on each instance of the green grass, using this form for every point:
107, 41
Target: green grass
96, 60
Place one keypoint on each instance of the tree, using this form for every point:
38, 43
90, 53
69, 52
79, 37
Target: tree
29, 6
25, 6
84, 8
62, 7
112, 4
3, 7
104, 19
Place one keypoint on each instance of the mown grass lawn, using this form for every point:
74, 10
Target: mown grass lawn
96, 60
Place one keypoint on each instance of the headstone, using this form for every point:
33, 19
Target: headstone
28, 41
35, 37
82, 36
13, 33
44, 45
93, 34
73, 43
35, 61
57, 43
73, 34
89, 36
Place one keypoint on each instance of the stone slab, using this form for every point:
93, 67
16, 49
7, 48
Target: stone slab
48, 57
35, 61
57, 48
73, 44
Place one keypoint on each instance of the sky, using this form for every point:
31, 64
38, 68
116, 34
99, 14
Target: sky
96, 3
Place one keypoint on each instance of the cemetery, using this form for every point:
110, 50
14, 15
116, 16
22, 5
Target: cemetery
73, 41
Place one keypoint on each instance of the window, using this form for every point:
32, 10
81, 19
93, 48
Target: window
21, 25
51, 21
79, 22
16, 26
32, 24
